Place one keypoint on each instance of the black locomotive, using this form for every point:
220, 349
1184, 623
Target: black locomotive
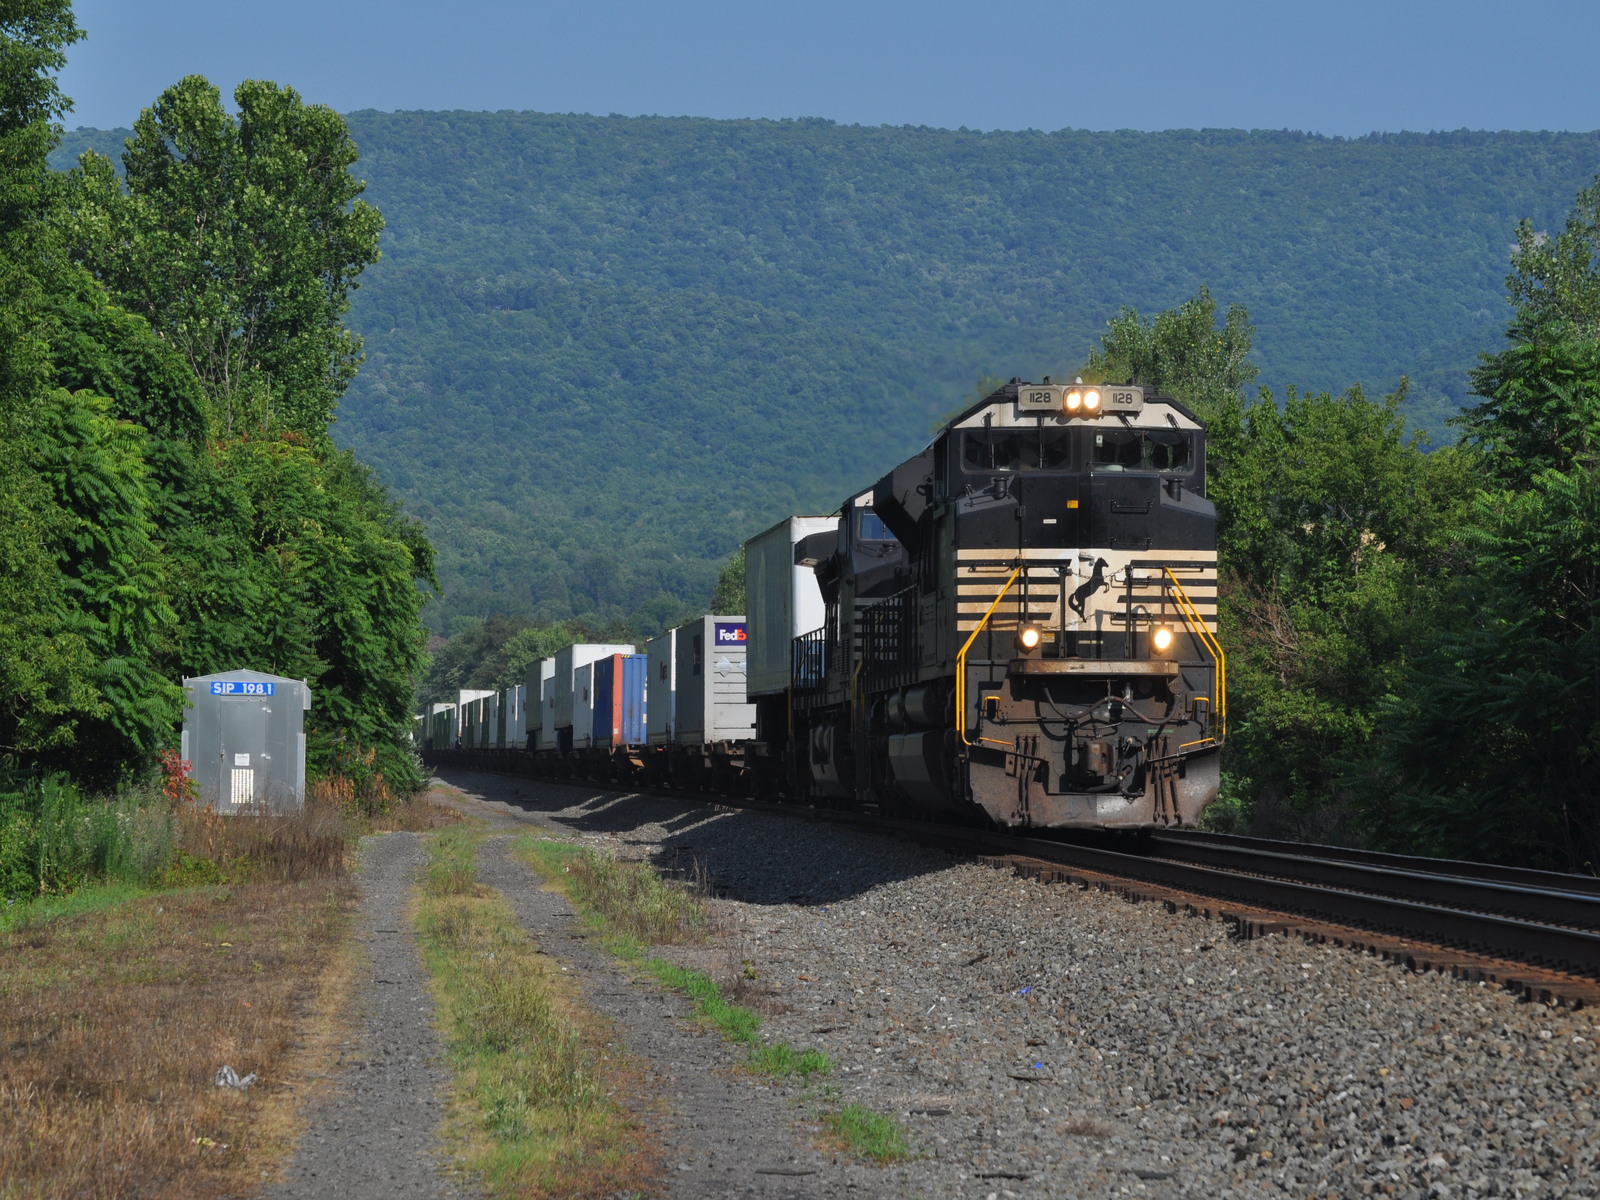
1019, 624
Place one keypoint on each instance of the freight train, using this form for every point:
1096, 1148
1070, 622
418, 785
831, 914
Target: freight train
1015, 627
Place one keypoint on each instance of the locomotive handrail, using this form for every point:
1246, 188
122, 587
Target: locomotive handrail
1192, 617
961, 658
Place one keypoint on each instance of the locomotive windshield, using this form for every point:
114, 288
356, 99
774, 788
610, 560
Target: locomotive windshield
1017, 449
1167, 450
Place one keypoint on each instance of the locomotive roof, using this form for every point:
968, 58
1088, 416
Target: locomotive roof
1004, 400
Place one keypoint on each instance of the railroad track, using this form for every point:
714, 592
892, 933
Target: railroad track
1533, 931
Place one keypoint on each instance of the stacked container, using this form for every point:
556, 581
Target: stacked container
574, 699
662, 668
620, 682
509, 735
710, 695
547, 707
783, 601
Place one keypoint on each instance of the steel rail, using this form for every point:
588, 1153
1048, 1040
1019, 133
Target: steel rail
1554, 881
1544, 905
1523, 938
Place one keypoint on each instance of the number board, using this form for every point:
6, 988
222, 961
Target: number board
1040, 397
241, 687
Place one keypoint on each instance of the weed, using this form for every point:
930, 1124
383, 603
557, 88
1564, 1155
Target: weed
733, 1021
451, 869
869, 1134
630, 904
782, 1059
301, 844
54, 839
635, 903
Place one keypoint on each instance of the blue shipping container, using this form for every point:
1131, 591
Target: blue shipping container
619, 700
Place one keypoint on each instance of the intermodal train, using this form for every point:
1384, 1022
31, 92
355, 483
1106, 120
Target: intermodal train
1015, 627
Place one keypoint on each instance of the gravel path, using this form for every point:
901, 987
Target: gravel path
377, 1134
726, 1134
1044, 1041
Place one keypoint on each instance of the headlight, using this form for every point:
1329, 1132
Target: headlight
1028, 638
1074, 401
1091, 401
1161, 639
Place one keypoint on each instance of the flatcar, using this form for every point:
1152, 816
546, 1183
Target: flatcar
1016, 627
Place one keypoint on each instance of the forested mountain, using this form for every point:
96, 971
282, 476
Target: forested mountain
602, 350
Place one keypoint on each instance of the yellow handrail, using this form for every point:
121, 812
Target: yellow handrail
961, 660
1191, 614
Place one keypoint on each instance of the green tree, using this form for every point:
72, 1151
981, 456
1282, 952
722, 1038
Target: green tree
728, 594
1180, 352
1491, 742
239, 240
46, 672
113, 578
1338, 532
1556, 281
1541, 407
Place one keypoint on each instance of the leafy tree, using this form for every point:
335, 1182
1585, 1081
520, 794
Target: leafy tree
240, 240
1179, 352
1492, 739
455, 664
495, 653
728, 594
1556, 281
169, 500
46, 671
1491, 742
112, 579
1541, 406
1338, 532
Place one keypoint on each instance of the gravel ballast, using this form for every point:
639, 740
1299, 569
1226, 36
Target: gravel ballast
1041, 1040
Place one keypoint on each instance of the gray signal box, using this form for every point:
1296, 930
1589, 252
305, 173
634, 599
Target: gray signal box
244, 739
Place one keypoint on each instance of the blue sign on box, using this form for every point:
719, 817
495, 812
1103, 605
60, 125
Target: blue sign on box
730, 634
240, 687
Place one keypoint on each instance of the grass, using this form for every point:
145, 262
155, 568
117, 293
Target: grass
536, 1111
88, 899
871, 1135
634, 908
734, 1021
119, 1008
632, 904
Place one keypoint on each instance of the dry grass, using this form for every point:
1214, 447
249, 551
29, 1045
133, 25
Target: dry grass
310, 843
371, 807
423, 813
314, 842
114, 1023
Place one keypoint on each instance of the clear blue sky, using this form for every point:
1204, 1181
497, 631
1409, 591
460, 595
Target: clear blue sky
1327, 66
